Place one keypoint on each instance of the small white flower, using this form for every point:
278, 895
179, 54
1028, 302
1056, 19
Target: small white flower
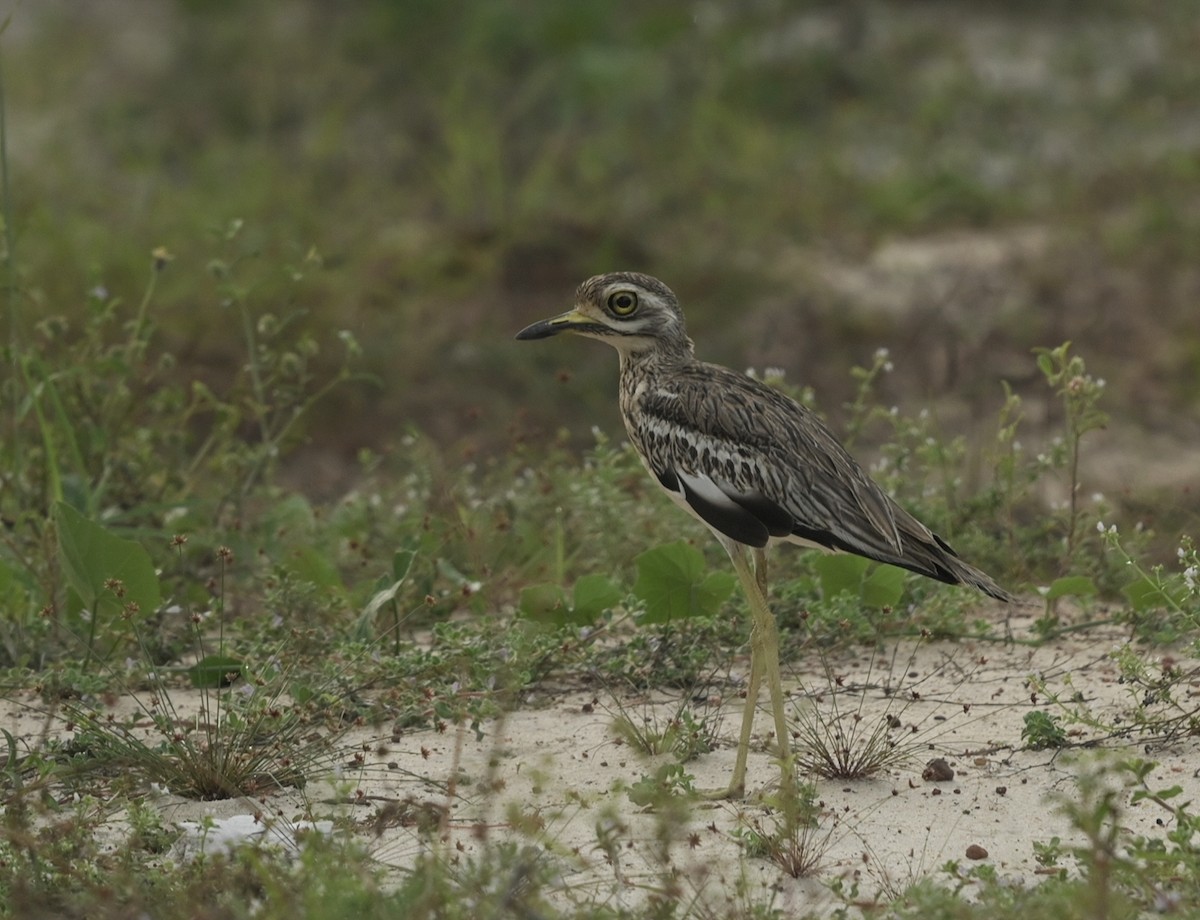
1165, 902
1099, 527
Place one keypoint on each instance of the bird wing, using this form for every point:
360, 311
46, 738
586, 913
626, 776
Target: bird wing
754, 464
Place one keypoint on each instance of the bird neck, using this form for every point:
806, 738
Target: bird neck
658, 355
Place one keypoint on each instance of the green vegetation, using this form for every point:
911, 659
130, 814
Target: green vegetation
440, 172
255, 245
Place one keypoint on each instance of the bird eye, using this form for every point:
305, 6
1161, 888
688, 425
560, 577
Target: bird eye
623, 303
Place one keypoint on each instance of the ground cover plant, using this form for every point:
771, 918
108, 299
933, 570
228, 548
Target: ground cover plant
417, 648
481, 667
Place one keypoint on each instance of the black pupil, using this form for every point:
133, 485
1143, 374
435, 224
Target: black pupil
623, 302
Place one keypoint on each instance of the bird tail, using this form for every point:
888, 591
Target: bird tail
934, 557
924, 552
965, 574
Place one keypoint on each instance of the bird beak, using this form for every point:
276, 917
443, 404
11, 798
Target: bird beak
564, 322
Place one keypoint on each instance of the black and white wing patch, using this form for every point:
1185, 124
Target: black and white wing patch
748, 518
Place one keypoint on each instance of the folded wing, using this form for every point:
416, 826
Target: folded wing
756, 466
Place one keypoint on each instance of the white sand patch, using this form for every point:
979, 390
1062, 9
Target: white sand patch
555, 778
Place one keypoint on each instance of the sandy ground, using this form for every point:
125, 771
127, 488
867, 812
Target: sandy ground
559, 765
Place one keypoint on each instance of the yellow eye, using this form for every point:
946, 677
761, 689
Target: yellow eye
622, 303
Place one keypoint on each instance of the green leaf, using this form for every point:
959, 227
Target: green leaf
1150, 594
593, 595
1042, 731
291, 517
672, 584
11, 758
547, 603
884, 586
314, 566
1071, 586
1170, 792
15, 591
1045, 365
544, 604
92, 558
302, 693
669, 780
402, 561
213, 671
840, 574
715, 591
386, 591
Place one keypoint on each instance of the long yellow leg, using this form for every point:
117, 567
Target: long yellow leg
764, 662
737, 785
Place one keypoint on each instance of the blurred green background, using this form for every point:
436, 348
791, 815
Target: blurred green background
957, 182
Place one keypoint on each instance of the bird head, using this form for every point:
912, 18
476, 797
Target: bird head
632, 312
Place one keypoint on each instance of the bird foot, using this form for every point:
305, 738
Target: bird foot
727, 794
766, 796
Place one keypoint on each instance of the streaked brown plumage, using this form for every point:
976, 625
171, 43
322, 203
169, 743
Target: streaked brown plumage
751, 463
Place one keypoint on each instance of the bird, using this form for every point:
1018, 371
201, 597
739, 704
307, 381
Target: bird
752, 464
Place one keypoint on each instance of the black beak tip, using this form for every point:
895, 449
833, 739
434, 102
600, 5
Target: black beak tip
542, 330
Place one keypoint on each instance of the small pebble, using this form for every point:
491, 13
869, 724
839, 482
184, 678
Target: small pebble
937, 771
